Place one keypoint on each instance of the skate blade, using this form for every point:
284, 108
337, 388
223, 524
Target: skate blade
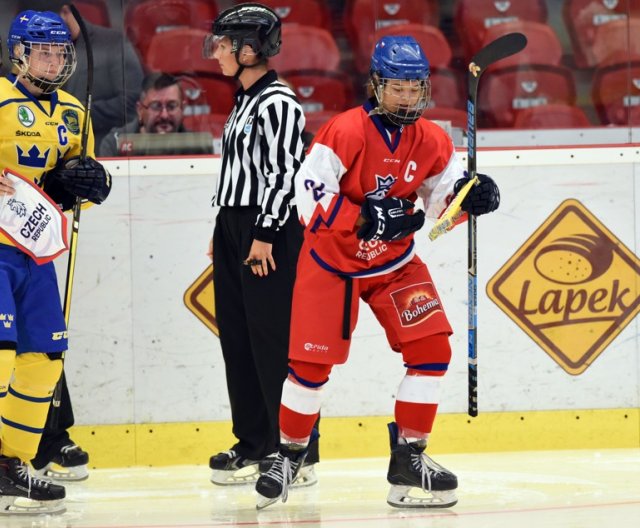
412, 497
23, 506
238, 477
263, 502
66, 474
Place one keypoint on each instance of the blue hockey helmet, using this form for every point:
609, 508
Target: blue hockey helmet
399, 59
39, 31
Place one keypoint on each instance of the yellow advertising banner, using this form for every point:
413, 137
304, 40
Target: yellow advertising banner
572, 287
200, 299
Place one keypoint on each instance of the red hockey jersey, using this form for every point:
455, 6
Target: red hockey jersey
354, 157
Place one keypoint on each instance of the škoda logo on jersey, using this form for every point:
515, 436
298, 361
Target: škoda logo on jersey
572, 287
416, 303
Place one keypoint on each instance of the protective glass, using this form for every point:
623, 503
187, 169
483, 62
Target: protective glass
210, 45
46, 65
402, 101
157, 106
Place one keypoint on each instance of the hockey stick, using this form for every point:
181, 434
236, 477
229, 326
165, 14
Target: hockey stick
77, 207
452, 213
500, 48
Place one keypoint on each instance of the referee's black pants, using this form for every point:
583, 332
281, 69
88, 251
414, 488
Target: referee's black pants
253, 315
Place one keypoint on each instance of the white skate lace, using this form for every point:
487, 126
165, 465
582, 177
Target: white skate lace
24, 474
427, 467
282, 471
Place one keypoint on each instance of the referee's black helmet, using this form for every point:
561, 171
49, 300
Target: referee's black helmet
250, 24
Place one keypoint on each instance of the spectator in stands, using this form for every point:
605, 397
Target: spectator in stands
159, 110
117, 70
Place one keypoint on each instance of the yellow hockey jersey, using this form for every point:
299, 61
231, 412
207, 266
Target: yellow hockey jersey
35, 134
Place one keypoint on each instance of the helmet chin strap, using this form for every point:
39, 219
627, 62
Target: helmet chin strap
239, 71
241, 67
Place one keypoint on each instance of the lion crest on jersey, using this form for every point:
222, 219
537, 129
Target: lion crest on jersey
383, 185
71, 119
17, 207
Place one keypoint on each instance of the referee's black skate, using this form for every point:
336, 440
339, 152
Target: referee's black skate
416, 480
229, 468
69, 463
23, 493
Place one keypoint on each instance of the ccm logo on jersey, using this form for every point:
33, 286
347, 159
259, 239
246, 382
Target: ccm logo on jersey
57, 336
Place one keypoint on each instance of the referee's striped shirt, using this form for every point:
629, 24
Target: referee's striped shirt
262, 151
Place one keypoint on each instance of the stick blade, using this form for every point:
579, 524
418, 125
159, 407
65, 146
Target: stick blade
501, 48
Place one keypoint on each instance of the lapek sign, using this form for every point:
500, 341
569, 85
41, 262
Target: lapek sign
572, 287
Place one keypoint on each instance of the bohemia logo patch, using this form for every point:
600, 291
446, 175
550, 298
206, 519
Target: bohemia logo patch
416, 303
572, 287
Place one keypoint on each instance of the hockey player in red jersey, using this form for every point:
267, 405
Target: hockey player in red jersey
355, 193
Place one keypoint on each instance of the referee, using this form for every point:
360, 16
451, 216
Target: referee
257, 236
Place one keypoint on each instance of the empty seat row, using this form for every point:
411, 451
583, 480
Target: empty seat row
600, 31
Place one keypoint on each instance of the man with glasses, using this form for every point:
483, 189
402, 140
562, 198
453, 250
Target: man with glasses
159, 110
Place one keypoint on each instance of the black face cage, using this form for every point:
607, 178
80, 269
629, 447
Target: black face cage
408, 108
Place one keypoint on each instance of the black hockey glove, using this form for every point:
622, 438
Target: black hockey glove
58, 193
86, 179
483, 197
389, 219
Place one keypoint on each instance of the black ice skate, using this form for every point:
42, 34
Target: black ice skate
275, 483
23, 493
229, 468
68, 464
410, 470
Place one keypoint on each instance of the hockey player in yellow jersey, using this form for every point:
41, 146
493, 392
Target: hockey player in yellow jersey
40, 144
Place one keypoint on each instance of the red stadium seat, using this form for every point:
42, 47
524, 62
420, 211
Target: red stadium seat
364, 17
551, 116
616, 94
306, 48
314, 120
543, 45
145, 18
616, 42
304, 12
431, 40
447, 89
213, 123
506, 91
94, 11
320, 93
583, 18
179, 50
456, 116
206, 93
474, 17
